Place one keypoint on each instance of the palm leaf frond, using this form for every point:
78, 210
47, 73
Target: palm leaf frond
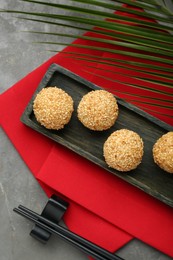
136, 36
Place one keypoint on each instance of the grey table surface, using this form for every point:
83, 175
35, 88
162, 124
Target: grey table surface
18, 56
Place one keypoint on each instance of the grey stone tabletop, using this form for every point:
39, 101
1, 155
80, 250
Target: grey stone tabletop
18, 57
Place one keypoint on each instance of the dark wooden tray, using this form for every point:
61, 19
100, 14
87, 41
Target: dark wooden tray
89, 144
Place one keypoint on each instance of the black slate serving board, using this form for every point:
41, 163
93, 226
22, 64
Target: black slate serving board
89, 144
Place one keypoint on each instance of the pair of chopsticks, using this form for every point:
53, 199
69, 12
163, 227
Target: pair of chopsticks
84, 245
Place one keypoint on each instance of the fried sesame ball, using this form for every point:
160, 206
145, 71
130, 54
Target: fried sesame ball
53, 108
98, 110
123, 150
163, 152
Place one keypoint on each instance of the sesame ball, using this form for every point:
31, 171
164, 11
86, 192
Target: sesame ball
53, 108
123, 150
163, 152
98, 110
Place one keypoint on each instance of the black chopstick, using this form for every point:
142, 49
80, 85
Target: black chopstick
81, 243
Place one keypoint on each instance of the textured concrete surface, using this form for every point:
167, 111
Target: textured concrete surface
18, 56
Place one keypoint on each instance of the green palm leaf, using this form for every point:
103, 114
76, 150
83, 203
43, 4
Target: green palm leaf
147, 44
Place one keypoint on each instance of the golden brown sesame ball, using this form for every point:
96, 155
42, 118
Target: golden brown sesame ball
53, 108
163, 152
123, 150
98, 110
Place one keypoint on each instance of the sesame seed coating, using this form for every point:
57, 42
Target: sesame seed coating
53, 108
98, 110
123, 150
163, 152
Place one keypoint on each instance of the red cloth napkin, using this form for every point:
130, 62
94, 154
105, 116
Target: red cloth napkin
99, 201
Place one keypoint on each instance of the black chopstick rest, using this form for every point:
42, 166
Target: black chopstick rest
48, 223
54, 211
